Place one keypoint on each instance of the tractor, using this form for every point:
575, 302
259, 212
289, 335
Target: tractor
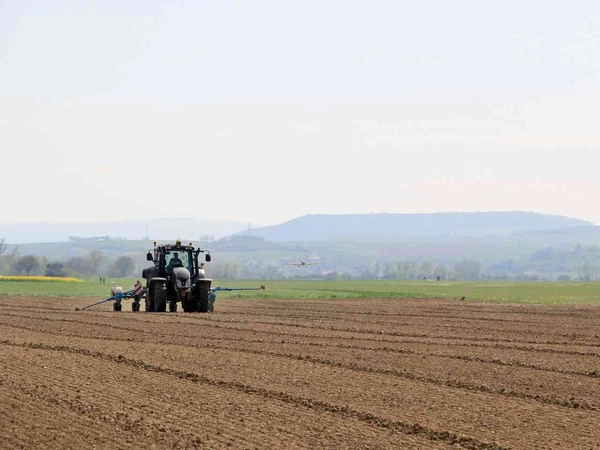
177, 277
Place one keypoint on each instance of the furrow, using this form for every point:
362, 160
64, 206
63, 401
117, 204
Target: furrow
307, 402
450, 383
217, 318
590, 373
426, 339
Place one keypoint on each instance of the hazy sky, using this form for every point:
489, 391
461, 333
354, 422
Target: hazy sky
262, 111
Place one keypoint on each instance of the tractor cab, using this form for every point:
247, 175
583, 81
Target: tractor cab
168, 257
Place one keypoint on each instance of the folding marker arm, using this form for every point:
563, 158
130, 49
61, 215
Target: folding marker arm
114, 298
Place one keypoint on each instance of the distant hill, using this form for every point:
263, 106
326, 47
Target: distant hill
167, 228
548, 251
383, 227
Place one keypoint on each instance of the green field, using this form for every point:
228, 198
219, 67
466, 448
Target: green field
503, 292
89, 289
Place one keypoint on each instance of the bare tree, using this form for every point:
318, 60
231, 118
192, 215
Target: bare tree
10, 260
28, 264
441, 272
427, 268
96, 257
468, 269
123, 266
588, 271
79, 265
2, 251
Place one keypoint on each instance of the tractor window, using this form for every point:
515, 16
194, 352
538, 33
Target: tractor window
177, 259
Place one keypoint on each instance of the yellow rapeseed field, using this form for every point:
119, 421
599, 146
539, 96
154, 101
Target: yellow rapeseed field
39, 278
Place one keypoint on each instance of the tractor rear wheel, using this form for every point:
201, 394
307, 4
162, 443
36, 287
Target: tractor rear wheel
203, 291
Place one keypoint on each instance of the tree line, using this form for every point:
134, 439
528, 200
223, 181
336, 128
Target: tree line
95, 263
563, 264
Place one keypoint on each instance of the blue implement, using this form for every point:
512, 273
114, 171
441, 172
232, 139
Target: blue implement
213, 291
131, 294
117, 297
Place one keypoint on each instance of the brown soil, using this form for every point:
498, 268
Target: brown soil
414, 374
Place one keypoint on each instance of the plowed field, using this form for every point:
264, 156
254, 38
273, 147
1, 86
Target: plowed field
384, 373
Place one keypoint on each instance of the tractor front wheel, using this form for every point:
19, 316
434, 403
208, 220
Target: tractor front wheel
149, 303
160, 298
156, 298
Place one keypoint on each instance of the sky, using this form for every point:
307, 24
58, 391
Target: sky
264, 111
